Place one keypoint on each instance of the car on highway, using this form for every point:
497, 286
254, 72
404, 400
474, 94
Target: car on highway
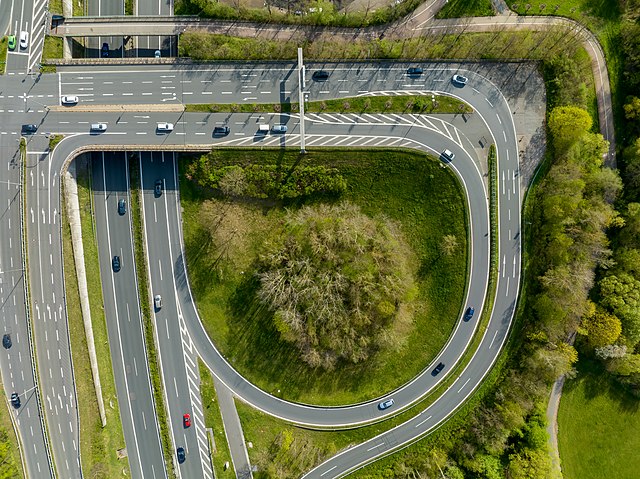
157, 302
263, 129
186, 419
165, 127
182, 456
437, 369
385, 404
320, 75
459, 80
414, 71
122, 206
99, 127
24, 40
30, 128
69, 100
157, 188
6, 341
468, 314
115, 263
221, 130
12, 42
279, 129
104, 51
157, 54
15, 400
448, 155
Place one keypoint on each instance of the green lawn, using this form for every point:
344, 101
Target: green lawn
98, 445
466, 8
598, 427
409, 188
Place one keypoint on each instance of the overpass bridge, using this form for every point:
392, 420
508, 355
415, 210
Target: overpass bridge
125, 25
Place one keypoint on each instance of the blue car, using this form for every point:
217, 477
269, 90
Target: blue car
469, 313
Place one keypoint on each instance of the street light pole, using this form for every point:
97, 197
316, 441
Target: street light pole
301, 86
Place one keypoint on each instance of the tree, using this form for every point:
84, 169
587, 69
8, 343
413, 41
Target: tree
567, 124
338, 282
621, 294
530, 464
632, 109
449, 244
601, 328
233, 182
611, 351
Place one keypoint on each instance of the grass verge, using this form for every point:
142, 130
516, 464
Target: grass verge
52, 47
4, 45
54, 140
361, 104
213, 420
598, 424
505, 45
466, 8
10, 462
416, 192
55, 6
98, 445
145, 308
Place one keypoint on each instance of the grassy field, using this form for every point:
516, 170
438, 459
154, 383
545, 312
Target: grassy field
598, 426
98, 445
466, 8
213, 421
407, 187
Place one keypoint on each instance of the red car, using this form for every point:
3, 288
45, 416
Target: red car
186, 419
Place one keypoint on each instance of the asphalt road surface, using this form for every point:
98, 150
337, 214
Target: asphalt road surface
123, 316
426, 133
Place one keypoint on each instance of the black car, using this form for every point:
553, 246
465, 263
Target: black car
181, 455
320, 75
104, 51
115, 263
6, 341
437, 369
221, 130
122, 206
468, 314
30, 128
157, 190
15, 400
414, 71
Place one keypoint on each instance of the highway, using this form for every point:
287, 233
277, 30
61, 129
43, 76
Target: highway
130, 128
123, 316
177, 358
16, 363
29, 16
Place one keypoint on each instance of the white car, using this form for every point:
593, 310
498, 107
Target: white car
98, 127
279, 128
69, 100
157, 302
459, 79
24, 40
448, 155
165, 127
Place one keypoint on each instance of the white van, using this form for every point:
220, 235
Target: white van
263, 128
